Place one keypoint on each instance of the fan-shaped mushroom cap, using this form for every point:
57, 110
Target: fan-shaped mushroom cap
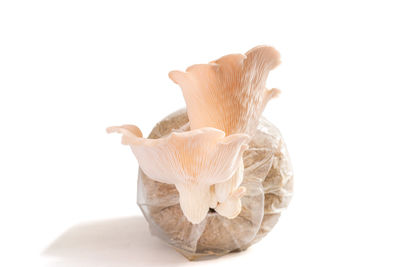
229, 93
192, 160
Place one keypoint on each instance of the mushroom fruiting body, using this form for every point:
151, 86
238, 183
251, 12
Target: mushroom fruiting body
192, 161
225, 100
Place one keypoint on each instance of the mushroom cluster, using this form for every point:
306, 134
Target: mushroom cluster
224, 100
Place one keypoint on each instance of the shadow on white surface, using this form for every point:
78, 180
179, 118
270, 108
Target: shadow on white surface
114, 242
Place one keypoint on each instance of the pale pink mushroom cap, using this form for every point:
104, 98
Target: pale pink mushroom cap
192, 160
229, 93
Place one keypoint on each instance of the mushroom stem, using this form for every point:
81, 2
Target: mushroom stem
195, 200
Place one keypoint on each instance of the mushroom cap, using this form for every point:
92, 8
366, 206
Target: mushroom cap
229, 93
192, 160
203, 155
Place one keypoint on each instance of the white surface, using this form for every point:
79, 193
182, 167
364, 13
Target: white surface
69, 69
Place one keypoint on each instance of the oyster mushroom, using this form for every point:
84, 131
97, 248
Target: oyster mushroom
229, 94
193, 161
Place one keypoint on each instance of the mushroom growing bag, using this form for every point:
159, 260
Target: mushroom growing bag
214, 178
268, 179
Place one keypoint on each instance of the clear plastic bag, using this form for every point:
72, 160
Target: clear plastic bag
268, 179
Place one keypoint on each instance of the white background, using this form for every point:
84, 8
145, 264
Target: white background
69, 69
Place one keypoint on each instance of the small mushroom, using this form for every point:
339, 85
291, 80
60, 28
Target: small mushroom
232, 206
